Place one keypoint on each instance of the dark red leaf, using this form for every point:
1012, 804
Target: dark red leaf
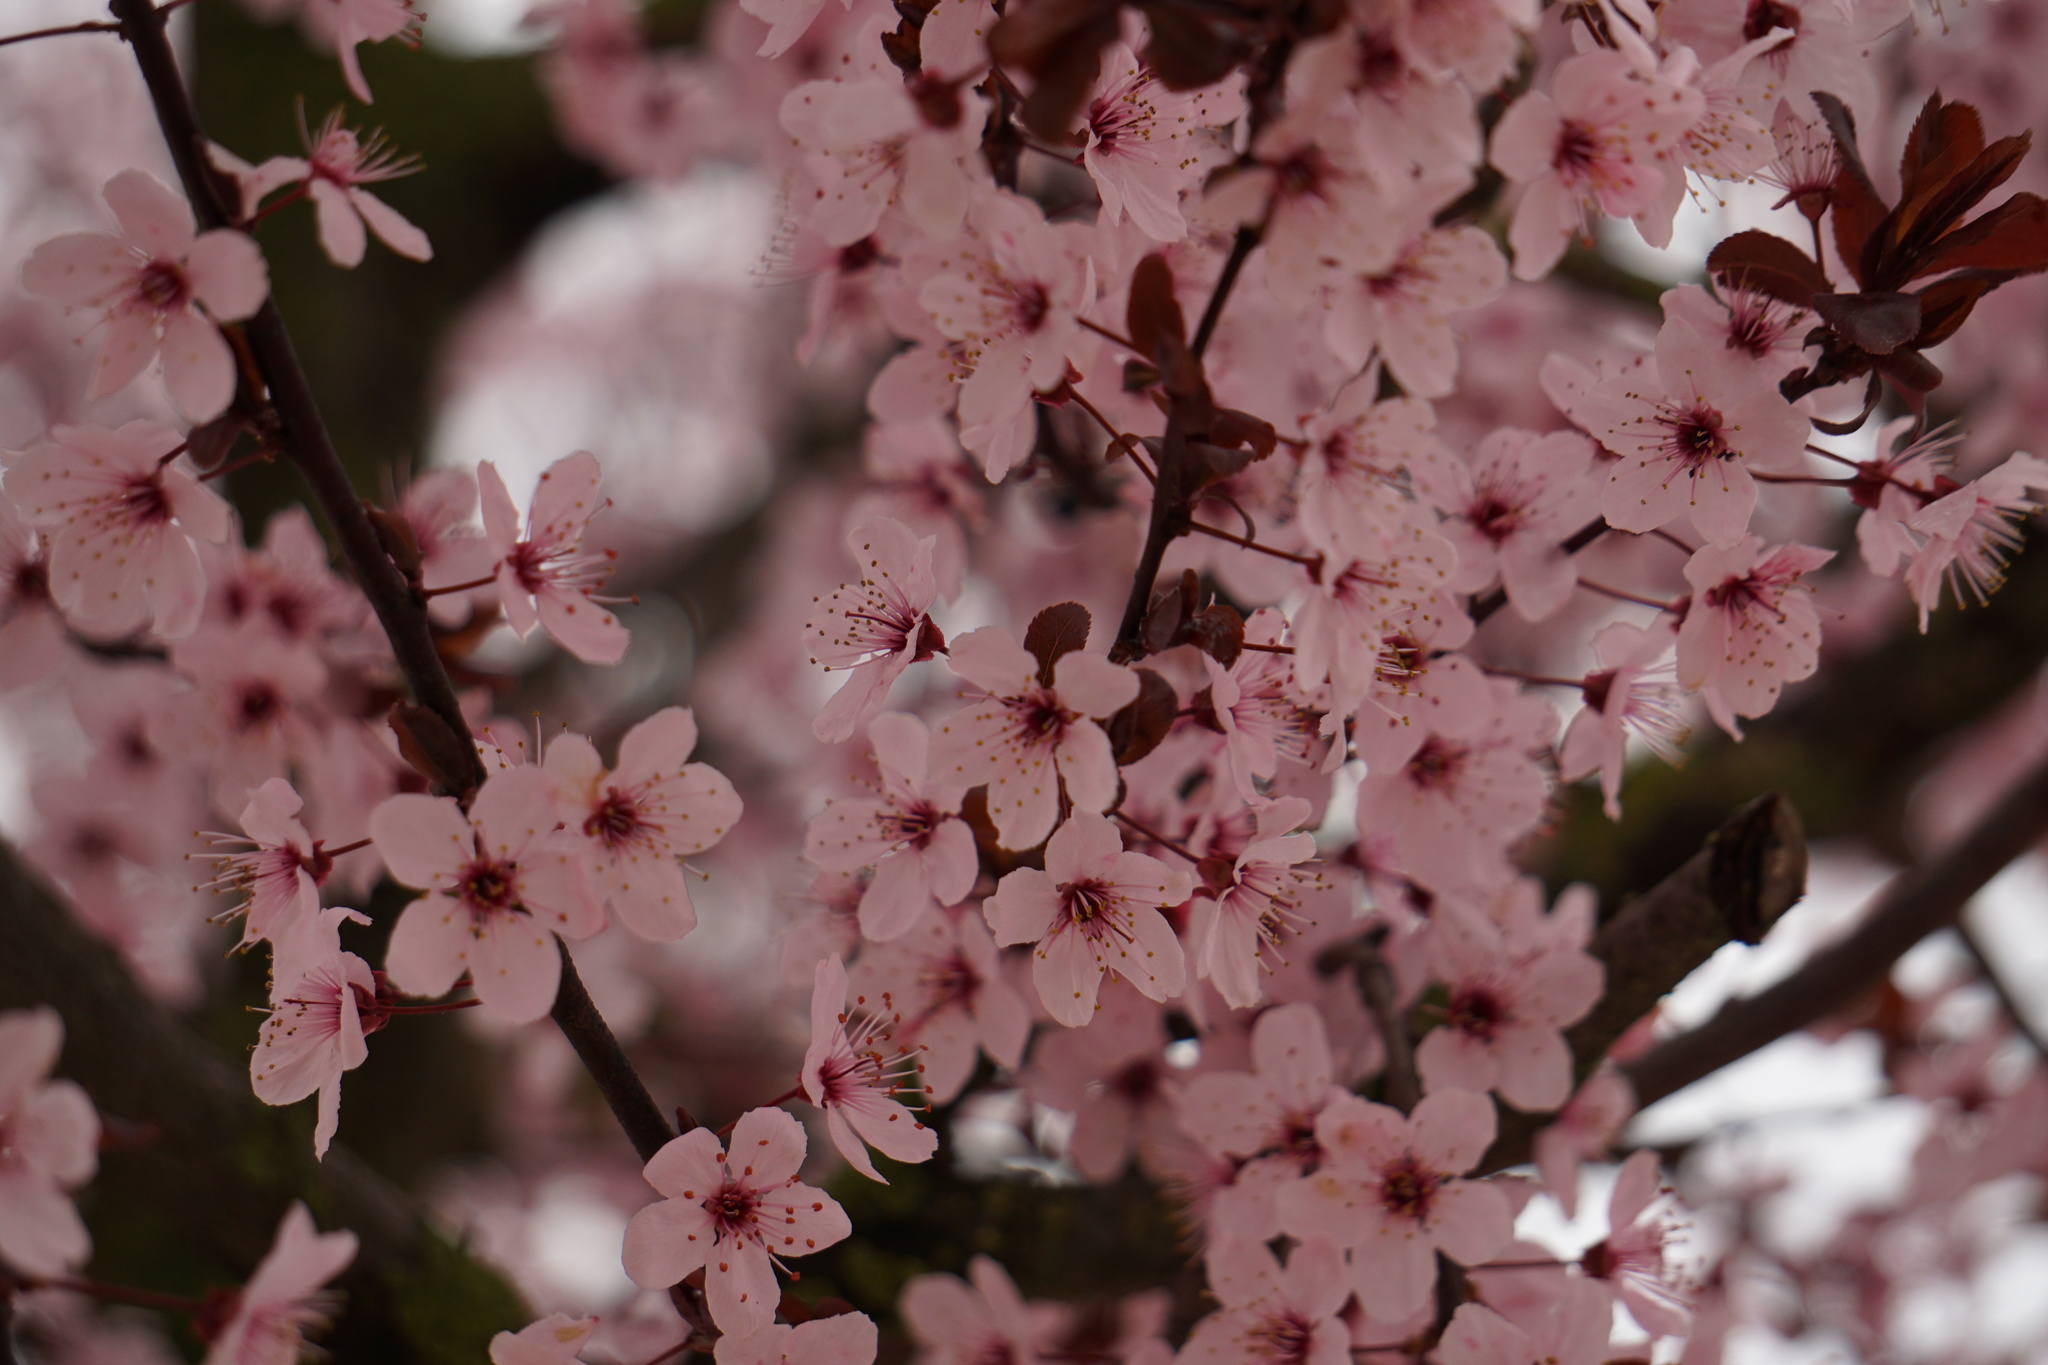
2013, 236
1153, 317
1768, 264
1876, 323
1193, 45
1057, 631
1859, 210
1218, 631
1060, 43
1945, 304
1916, 228
1136, 730
1167, 613
1209, 464
1231, 428
1945, 138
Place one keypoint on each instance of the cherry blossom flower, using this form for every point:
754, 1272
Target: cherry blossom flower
1402, 313
912, 835
315, 1030
731, 1216
49, 1143
279, 877
1631, 1260
120, 519
1507, 1004
1761, 336
1635, 694
1030, 736
1585, 1128
162, 287
1113, 1077
1751, 627
554, 1340
1094, 908
1573, 1329
439, 508
1143, 143
1689, 442
1010, 291
548, 578
284, 1300
877, 628
1272, 1109
337, 164
844, 1339
1251, 917
1388, 1191
249, 712
634, 822
1591, 143
499, 882
1376, 588
349, 22
946, 977
1359, 453
1262, 714
980, 1319
1508, 511
787, 21
849, 1076
1969, 533
1270, 1313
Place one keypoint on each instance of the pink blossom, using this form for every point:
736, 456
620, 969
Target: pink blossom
1585, 1128
439, 508
849, 1076
845, 1339
1506, 1005
876, 628
1590, 144
554, 1340
1263, 715
946, 977
1631, 1260
1113, 1077
1751, 626
1378, 588
1010, 292
250, 712
49, 1143
731, 1216
1762, 338
548, 578
1274, 1108
315, 1030
349, 22
981, 1319
1635, 694
120, 519
337, 164
912, 835
1509, 509
31, 632
499, 882
1094, 908
1388, 1190
1402, 312
279, 876
1688, 442
1967, 535
161, 286
284, 1300
787, 21
1143, 143
1359, 455
1572, 1329
634, 822
1243, 925
1271, 1314
1031, 735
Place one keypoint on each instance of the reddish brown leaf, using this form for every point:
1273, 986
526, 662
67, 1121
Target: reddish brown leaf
1859, 211
1231, 428
1136, 730
1914, 229
1878, 323
1945, 304
1193, 45
1166, 615
1945, 138
2013, 236
1218, 631
1153, 317
1767, 264
1057, 631
1060, 43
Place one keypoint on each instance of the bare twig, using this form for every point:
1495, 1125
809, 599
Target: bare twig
599, 1051
90, 26
2008, 999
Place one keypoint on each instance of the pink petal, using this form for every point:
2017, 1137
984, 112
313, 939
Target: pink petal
659, 746
665, 1242
423, 840
514, 968
199, 366
687, 1167
154, 218
78, 268
895, 898
429, 945
342, 235
1023, 907
739, 1284
40, 1232
227, 272
501, 517
1452, 1129
994, 662
1471, 1221
391, 227
1068, 974
767, 1147
581, 626
651, 896
125, 351
1093, 685
950, 862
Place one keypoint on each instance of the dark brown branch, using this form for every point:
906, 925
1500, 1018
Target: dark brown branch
1240, 250
2008, 999
1918, 901
90, 26
576, 1015
1399, 1084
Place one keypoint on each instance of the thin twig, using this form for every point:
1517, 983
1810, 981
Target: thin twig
599, 1051
2007, 998
90, 26
1240, 250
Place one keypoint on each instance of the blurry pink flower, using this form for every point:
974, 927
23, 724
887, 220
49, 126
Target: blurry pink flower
1573, 1329
1270, 1314
1388, 1190
162, 287
1505, 1008
284, 1298
498, 880
946, 977
279, 877
49, 1143
1688, 442
315, 1030
1263, 715
1635, 694
439, 508
1095, 908
787, 21
1143, 143
1242, 928
1509, 509
878, 627
120, 519
844, 1339
554, 1340
1590, 145
1402, 313
32, 643
1585, 1128
848, 1074
1630, 1260
1969, 533
1359, 457
732, 1217
1113, 1077
1273, 1109
978, 1320
349, 22
337, 164
548, 579
1030, 736
634, 822
1760, 337
913, 837
1751, 626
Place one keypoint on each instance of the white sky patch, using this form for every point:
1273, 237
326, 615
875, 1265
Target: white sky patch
483, 28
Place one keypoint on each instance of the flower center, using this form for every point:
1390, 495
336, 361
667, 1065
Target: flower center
615, 821
1436, 765
732, 1210
1766, 15
143, 501
163, 286
1475, 1010
1407, 1190
1578, 148
259, 705
1696, 436
486, 886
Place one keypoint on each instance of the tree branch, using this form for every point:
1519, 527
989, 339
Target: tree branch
1918, 901
1399, 1084
598, 1049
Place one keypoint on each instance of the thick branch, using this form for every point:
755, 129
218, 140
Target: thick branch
576, 1015
1918, 901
